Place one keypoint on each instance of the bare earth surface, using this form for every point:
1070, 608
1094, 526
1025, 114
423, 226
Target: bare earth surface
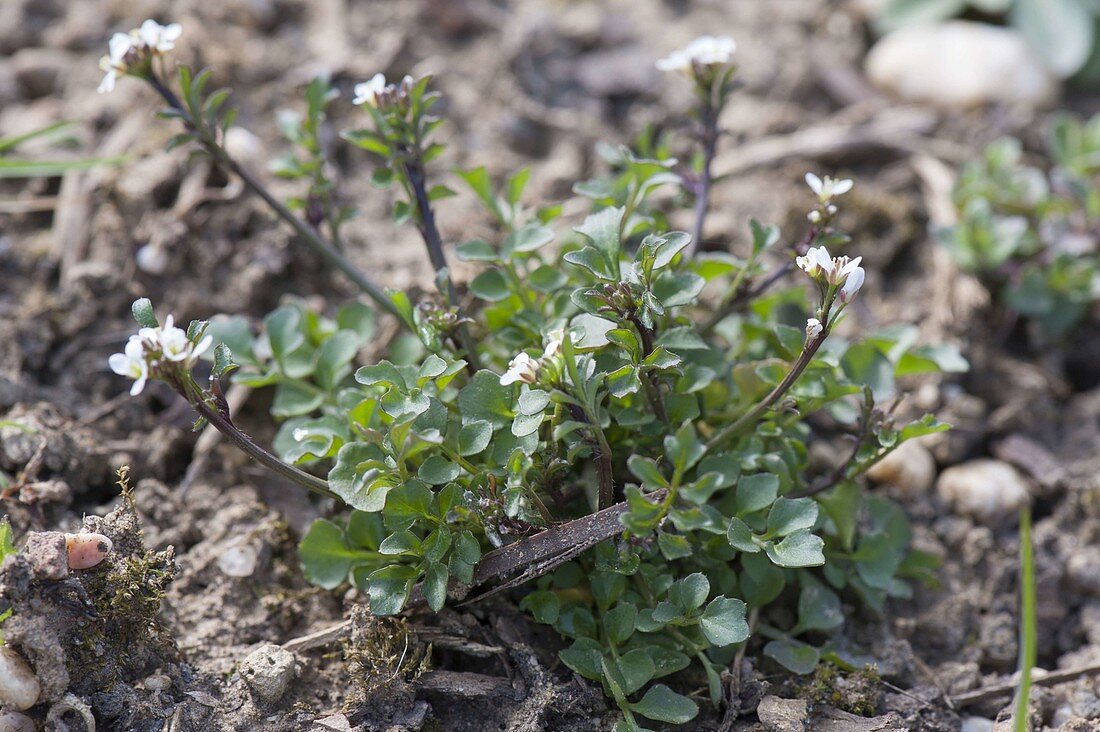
525, 82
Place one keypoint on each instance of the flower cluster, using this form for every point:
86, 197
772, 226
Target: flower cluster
703, 52
149, 348
129, 52
826, 190
380, 95
833, 272
526, 369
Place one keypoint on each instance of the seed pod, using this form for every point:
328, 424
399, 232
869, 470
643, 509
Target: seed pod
87, 550
19, 687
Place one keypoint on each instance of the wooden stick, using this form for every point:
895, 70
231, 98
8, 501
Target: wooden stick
1052, 678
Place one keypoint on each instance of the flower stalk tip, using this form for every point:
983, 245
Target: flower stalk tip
131, 53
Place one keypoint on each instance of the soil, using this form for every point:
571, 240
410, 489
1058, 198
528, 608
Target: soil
524, 82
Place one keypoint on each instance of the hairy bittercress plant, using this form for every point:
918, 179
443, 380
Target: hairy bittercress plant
1029, 235
583, 423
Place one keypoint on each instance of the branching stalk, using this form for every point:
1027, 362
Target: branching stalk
330, 254
702, 194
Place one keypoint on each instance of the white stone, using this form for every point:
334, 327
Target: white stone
977, 724
960, 64
268, 670
239, 560
987, 490
911, 468
19, 687
15, 722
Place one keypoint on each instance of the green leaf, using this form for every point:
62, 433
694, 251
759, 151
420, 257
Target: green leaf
484, 399
636, 668
793, 655
619, 622
528, 239
294, 398
474, 437
533, 401
723, 622
437, 470
389, 588
756, 492
544, 605
476, 250
325, 556
435, 586
1062, 31
490, 285
584, 657
602, 229
436, 545
646, 470
865, 364
143, 313
740, 536
800, 549
789, 515
665, 705
284, 332
594, 261
690, 592
407, 503
401, 542
818, 609
675, 288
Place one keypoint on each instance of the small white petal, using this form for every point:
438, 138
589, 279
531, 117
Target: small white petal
814, 183
842, 187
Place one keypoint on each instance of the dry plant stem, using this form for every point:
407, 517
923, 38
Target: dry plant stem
414, 171
702, 195
309, 235
1053, 678
773, 396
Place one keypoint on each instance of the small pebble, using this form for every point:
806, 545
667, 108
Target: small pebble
977, 724
86, 550
157, 682
19, 687
239, 561
15, 722
911, 468
268, 671
987, 490
47, 554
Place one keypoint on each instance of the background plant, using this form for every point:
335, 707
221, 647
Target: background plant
607, 385
1029, 234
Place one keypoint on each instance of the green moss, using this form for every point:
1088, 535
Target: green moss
857, 692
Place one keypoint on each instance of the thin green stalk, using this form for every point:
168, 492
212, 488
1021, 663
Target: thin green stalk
308, 234
750, 417
1021, 717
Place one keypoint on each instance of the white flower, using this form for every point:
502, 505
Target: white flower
114, 63
521, 368
828, 188
553, 343
131, 362
368, 91
852, 283
703, 51
813, 328
157, 38
816, 262
124, 50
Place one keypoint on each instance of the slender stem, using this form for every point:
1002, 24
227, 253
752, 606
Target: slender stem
773, 396
603, 464
702, 196
652, 391
259, 454
414, 172
308, 234
1027, 622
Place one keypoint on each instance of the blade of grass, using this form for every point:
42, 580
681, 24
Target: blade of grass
7, 143
1027, 622
39, 168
